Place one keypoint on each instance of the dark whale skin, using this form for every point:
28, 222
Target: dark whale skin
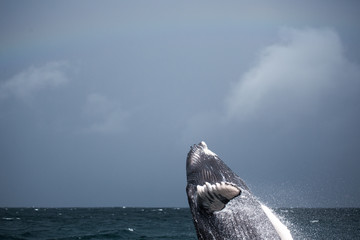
241, 218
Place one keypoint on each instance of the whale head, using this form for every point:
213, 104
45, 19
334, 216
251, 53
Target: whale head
209, 179
200, 165
204, 166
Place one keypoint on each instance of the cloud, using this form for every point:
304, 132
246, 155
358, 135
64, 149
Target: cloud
293, 77
34, 79
103, 115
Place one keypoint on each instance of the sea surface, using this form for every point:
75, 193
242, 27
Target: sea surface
159, 223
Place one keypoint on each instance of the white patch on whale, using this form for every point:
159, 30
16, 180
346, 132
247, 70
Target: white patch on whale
209, 152
280, 228
206, 150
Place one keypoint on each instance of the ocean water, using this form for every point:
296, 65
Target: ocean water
159, 223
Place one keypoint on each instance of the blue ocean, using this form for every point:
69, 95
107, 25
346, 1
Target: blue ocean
159, 223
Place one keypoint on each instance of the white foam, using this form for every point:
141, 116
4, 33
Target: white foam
280, 228
10, 219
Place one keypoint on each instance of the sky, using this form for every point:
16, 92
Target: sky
100, 101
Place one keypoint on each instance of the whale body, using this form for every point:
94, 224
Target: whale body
221, 204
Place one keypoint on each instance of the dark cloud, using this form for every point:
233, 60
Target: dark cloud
112, 123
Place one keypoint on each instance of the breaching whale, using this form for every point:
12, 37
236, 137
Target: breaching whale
221, 204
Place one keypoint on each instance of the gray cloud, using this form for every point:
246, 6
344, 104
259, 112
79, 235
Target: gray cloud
34, 79
303, 76
292, 77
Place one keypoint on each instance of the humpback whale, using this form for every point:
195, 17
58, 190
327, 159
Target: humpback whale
221, 204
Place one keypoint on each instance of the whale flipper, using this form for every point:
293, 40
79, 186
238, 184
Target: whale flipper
214, 197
